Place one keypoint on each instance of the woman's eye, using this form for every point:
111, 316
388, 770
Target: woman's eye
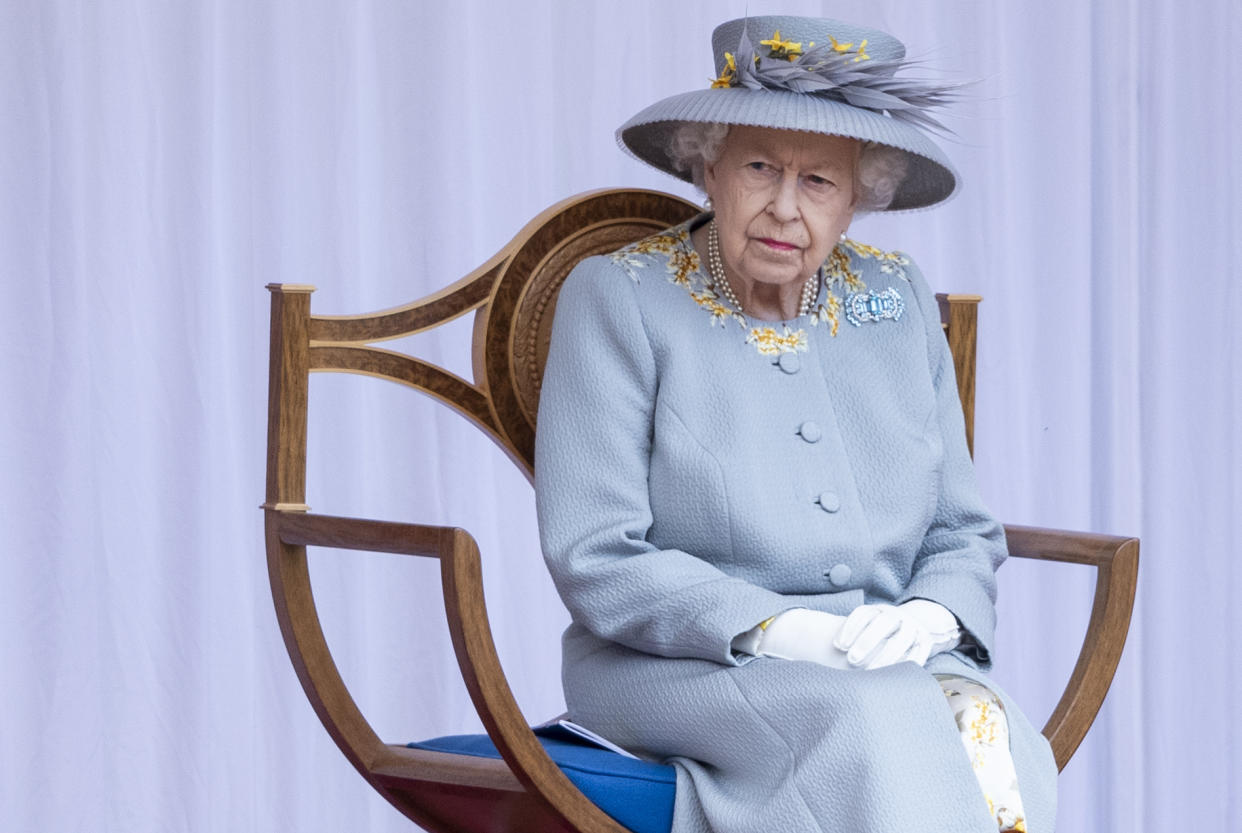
757, 166
818, 181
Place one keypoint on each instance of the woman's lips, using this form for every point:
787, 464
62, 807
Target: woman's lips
779, 245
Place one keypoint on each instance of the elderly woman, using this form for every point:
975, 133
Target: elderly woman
754, 491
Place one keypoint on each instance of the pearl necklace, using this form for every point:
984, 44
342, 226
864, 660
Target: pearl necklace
715, 265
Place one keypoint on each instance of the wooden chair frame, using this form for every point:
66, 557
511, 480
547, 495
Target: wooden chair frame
513, 295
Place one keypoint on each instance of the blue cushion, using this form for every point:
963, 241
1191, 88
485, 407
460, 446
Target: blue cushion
638, 794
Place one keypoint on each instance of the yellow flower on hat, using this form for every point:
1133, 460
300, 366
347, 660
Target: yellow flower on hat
726, 76
844, 48
782, 48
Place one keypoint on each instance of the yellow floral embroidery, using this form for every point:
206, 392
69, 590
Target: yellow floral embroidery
771, 343
864, 249
862, 52
663, 243
683, 264
840, 271
710, 301
782, 48
891, 263
637, 254
828, 312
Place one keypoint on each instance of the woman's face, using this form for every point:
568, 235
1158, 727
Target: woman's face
782, 200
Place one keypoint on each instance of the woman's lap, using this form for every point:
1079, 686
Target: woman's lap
788, 742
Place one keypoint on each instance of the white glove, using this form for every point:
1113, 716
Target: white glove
799, 634
877, 635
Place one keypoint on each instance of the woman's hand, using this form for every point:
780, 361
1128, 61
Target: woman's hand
806, 635
877, 635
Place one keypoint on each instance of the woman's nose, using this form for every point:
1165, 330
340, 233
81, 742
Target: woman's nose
784, 205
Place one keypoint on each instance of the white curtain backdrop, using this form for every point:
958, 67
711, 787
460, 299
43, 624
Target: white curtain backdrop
161, 162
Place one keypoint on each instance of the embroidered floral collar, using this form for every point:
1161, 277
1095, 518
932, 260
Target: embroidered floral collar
682, 262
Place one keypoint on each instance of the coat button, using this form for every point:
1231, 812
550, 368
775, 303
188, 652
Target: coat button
829, 502
840, 574
789, 362
810, 431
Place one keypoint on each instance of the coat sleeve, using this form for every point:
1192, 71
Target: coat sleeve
964, 545
592, 457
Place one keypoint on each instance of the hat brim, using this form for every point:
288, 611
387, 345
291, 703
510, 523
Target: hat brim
930, 178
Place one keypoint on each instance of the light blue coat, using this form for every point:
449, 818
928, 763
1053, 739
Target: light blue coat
698, 472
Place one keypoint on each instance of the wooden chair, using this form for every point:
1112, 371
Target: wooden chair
513, 296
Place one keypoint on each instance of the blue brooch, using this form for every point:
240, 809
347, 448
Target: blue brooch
874, 306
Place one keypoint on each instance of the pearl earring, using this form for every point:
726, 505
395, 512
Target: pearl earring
707, 204
843, 237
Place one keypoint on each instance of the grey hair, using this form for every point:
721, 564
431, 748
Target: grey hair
694, 145
877, 175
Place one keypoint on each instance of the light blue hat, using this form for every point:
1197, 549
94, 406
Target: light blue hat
815, 75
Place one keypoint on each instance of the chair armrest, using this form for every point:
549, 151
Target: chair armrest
1116, 562
288, 535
